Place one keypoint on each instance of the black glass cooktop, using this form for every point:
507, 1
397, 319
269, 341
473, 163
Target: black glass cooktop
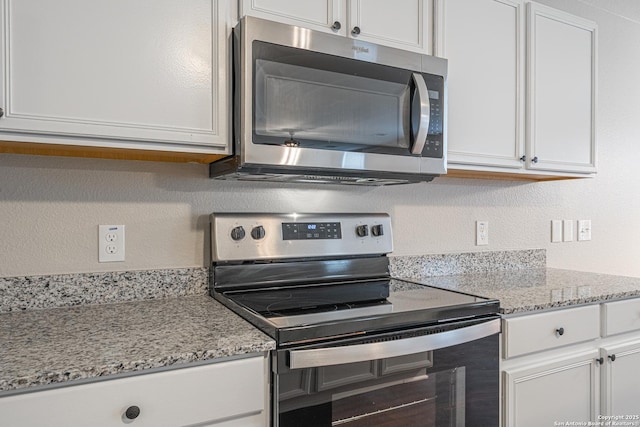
314, 312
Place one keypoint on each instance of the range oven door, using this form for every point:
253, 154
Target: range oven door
317, 100
434, 376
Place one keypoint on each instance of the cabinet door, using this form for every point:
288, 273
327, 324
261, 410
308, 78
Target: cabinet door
557, 391
620, 379
320, 15
561, 91
484, 43
150, 71
403, 24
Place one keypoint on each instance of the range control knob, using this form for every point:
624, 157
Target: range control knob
377, 230
237, 233
257, 232
362, 230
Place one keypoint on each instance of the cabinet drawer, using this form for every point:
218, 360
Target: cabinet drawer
620, 316
537, 332
189, 396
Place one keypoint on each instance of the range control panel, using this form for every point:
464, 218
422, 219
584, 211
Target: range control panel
247, 237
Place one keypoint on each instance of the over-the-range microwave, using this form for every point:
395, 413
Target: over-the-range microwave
317, 107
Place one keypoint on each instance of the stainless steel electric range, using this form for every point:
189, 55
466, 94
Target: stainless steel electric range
354, 346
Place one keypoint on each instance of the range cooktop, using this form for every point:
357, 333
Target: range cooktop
304, 278
308, 313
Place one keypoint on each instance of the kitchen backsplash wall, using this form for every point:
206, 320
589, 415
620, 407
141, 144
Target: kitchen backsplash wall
466, 263
66, 290
51, 207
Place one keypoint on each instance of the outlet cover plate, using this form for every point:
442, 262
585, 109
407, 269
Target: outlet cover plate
482, 233
110, 243
584, 230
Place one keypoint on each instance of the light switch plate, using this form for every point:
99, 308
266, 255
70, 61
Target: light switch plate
567, 230
556, 231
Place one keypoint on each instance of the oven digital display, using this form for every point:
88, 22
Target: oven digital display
311, 230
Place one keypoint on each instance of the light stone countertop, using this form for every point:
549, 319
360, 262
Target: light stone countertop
528, 290
52, 346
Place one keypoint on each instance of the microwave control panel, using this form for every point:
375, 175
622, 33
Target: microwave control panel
434, 146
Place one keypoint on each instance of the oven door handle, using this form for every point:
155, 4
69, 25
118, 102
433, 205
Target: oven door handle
301, 359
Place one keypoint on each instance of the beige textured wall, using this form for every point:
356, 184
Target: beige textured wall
50, 207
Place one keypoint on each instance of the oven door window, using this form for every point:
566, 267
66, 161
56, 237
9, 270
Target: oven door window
314, 100
398, 391
437, 388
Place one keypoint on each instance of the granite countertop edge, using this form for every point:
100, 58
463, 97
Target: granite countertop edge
56, 347
112, 371
528, 291
529, 309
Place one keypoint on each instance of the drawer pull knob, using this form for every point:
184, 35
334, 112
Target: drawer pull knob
560, 331
132, 412
600, 361
336, 26
355, 31
612, 357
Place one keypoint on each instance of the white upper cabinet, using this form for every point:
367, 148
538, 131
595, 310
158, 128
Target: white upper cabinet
522, 89
561, 91
319, 15
482, 41
149, 74
403, 24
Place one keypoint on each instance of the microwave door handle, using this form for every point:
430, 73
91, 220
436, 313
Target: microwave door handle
424, 109
313, 358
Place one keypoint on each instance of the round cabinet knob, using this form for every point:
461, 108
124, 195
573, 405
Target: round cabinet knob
257, 232
362, 231
336, 26
132, 412
355, 31
612, 357
523, 158
377, 230
560, 331
237, 233
534, 160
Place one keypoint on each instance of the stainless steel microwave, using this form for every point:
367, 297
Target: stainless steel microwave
317, 107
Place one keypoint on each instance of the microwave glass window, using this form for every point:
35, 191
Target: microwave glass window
325, 108
314, 100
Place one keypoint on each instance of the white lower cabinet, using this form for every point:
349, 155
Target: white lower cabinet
621, 379
589, 370
554, 391
226, 394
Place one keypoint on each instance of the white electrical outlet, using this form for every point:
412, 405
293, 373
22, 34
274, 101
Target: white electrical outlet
584, 229
567, 230
110, 243
482, 233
